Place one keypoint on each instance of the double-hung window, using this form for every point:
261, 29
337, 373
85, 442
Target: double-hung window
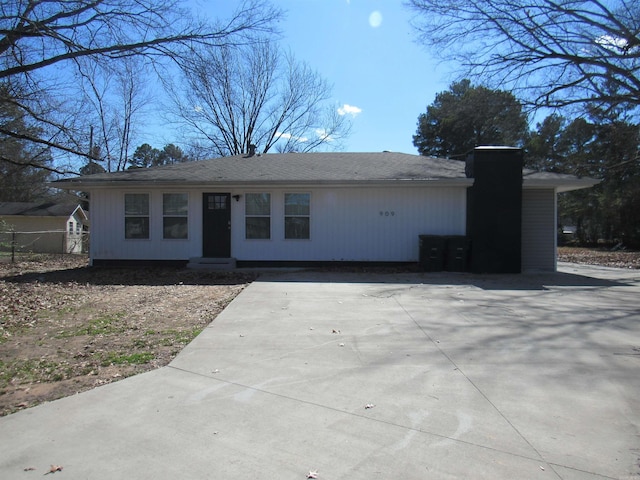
136, 215
175, 215
258, 215
297, 215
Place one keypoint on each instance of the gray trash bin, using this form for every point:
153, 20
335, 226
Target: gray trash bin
432, 253
457, 254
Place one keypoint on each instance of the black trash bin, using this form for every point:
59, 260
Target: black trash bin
457, 254
432, 252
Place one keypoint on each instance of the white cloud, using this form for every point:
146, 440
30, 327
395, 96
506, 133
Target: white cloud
347, 109
614, 43
323, 135
287, 136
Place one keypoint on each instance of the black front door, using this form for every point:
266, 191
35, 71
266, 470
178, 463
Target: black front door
216, 225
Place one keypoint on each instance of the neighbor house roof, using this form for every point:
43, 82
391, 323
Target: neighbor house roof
38, 209
317, 168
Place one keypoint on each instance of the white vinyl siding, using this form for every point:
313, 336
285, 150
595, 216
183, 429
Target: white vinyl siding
359, 224
539, 230
379, 224
108, 237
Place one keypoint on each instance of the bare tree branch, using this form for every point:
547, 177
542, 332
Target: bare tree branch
238, 96
40, 141
39, 38
37, 165
554, 52
116, 28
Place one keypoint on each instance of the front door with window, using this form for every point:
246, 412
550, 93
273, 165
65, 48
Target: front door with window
216, 225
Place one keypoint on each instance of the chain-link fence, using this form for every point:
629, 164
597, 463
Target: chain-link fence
15, 244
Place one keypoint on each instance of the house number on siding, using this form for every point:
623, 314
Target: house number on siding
387, 213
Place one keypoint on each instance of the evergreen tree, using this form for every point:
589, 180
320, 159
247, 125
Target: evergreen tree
465, 116
605, 146
23, 165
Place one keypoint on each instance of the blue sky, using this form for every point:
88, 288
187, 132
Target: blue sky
366, 50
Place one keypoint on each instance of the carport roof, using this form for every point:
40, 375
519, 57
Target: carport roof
318, 168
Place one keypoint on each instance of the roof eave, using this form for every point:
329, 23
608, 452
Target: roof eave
432, 182
564, 185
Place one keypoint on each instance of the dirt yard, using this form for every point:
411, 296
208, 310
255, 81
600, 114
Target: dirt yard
606, 258
66, 328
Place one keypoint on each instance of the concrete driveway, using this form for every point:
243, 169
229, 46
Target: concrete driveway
363, 376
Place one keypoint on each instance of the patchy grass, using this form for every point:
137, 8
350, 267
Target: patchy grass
103, 324
66, 328
117, 358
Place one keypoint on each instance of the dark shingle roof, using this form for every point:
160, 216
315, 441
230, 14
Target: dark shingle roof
37, 209
313, 169
308, 168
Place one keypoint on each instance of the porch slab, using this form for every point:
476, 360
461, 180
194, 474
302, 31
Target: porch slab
207, 263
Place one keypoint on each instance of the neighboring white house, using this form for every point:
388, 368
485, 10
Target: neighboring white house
44, 227
306, 209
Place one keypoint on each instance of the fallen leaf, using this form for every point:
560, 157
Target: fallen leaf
54, 469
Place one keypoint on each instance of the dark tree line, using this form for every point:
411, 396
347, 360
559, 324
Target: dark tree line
147, 156
602, 146
604, 143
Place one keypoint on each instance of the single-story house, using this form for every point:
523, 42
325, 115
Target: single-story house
47, 227
318, 208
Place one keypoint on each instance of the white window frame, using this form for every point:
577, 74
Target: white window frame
173, 215
248, 215
297, 215
137, 215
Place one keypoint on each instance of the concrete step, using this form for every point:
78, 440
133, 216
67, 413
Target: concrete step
204, 263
